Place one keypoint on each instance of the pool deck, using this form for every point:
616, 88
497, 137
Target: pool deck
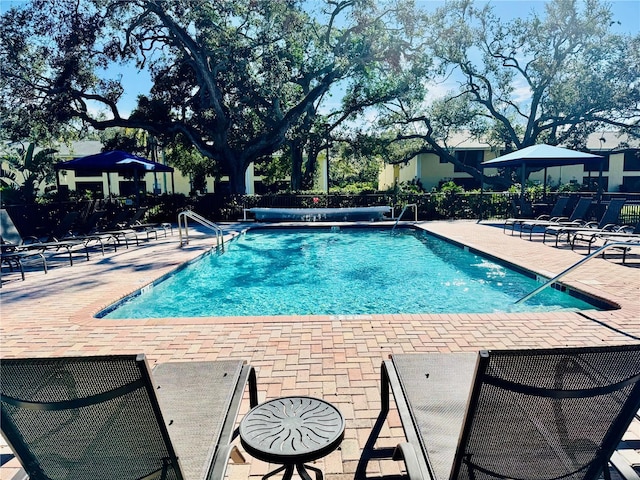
333, 357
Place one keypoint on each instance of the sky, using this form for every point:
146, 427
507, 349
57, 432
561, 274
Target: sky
626, 12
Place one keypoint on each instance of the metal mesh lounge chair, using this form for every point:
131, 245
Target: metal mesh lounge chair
85, 232
608, 220
577, 218
12, 241
556, 212
64, 226
108, 418
627, 233
118, 228
18, 259
534, 414
621, 233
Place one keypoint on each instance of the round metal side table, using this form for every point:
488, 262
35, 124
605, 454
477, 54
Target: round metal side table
292, 431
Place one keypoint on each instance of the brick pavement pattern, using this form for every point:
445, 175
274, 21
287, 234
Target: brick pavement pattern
334, 357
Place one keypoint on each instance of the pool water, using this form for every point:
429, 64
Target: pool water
340, 272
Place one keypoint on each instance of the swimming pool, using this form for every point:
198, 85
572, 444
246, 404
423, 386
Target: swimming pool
339, 271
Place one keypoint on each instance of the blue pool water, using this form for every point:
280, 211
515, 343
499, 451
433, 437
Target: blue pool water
340, 272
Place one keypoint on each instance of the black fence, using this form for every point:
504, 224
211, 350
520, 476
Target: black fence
38, 220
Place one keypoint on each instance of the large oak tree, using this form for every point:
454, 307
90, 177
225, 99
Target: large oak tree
232, 78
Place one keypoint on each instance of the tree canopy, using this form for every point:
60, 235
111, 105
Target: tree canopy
552, 78
232, 78
236, 81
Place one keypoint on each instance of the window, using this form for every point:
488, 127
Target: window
87, 173
595, 167
473, 158
630, 184
632, 161
591, 183
95, 187
128, 189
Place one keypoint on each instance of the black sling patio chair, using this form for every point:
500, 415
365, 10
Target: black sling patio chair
578, 217
520, 414
17, 260
13, 242
608, 222
556, 213
109, 418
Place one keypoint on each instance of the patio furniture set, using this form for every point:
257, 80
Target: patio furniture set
536, 414
124, 229
577, 228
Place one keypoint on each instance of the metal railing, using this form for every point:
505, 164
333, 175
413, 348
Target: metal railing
404, 209
183, 222
576, 265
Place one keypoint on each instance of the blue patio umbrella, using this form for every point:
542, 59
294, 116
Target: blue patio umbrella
540, 156
115, 161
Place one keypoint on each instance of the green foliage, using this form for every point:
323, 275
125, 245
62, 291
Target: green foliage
450, 187
232, 78
128, 140
350, 169
570, 187
182, 155
28, 170
273, 170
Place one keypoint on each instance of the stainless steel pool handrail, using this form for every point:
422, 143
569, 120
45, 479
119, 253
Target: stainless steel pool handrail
404, 209
576, 265
186, 214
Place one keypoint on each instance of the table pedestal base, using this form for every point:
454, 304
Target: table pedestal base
302, 471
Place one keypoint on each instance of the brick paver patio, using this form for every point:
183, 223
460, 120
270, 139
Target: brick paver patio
333, 357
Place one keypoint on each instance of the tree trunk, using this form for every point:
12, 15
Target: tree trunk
296, 148
237, 181
310, 170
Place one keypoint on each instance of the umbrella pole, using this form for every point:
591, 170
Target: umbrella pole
523, 180
600, 187
137, 186
481, 194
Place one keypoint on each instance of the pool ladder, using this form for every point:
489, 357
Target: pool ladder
404, 209
182, 221
576, 265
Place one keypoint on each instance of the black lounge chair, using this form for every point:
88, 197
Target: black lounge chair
18, 260
118, 228
624, 233
519, 414
106, 418
12, 241
85, 232
608, 221
627, 234
577, 218
63, 228
556, 212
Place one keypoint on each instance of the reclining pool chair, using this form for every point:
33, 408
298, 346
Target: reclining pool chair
18, 259
108, 418
12, 241
577, 218
607, 222
625, 232
556, 212
534, 414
